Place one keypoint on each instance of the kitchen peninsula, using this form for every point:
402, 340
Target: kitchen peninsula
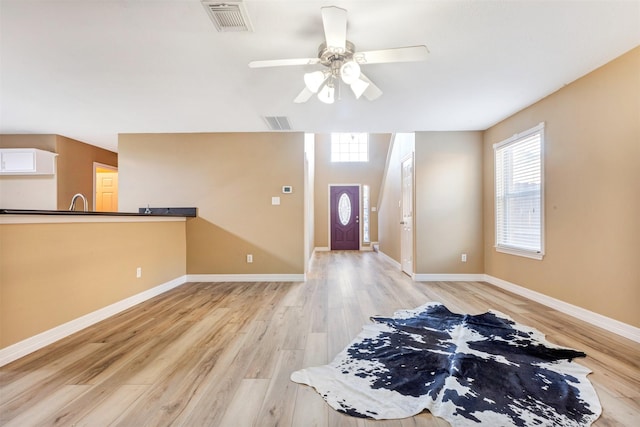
61, 271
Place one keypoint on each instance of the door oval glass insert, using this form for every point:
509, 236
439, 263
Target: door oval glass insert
344, 209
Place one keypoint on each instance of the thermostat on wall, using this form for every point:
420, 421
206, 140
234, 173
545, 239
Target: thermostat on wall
286, 189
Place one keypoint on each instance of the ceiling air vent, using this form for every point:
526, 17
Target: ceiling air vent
228, 16
277, 122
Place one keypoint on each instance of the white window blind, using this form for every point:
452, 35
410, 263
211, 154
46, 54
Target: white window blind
519, 194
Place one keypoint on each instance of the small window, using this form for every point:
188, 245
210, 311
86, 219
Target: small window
349, 147
519, 194
366, 238
344, 209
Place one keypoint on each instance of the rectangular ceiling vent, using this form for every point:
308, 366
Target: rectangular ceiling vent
277, 122
228, 16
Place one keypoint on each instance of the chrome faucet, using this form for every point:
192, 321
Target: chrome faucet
73, 202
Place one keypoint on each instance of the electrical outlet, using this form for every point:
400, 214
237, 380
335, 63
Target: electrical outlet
249, 258
463, 258
138, 272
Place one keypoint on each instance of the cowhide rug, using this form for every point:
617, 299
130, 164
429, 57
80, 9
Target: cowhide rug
484, 369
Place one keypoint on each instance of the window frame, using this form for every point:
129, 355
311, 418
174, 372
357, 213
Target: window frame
502, 246
336, 138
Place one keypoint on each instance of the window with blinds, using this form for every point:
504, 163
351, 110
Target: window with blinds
519, 194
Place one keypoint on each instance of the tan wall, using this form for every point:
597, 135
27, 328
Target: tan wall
54, 273
592, 193
366, 173
448, 202
389, 211
230, 178
28, 192
75, 169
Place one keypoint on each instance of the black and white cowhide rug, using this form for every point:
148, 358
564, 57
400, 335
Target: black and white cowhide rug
468, 369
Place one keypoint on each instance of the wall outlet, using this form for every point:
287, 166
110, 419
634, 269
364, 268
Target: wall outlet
463, 258
249, 258
138, 272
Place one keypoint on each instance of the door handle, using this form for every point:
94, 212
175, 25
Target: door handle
402, 222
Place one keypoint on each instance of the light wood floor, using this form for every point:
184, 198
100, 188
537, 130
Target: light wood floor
220, 354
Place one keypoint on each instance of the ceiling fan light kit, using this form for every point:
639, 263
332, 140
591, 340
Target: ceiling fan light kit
328, 92
314, 80
342, 61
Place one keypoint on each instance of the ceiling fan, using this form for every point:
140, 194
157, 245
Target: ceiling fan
342, 62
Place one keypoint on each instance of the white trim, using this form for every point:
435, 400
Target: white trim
389, 259
623, 329
519, 252
36, 342
525, 133
523, 252
321, 249
71, 219
246, 277
448, 277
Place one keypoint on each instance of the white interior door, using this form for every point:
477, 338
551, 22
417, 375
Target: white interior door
406, 235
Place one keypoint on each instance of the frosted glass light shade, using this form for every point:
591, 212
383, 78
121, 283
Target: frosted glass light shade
327, 94
314, 80
350, 72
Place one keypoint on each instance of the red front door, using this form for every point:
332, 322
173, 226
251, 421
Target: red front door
345, 217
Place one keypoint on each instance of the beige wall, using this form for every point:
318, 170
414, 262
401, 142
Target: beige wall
448, 202
389, 211
365, 173
54, 273
74, 173
230, 178
592, 193
75, 169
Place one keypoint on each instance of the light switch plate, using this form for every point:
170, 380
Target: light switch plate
275, 200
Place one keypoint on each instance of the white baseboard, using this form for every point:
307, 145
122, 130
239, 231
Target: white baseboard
321, 249
623, 329
246, 277
448, 277
389, 259
36, 342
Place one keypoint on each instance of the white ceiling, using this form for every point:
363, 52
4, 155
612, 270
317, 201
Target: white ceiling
90, 69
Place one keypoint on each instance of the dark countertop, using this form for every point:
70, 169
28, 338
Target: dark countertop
166, 212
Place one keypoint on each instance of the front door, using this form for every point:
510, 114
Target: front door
345, 217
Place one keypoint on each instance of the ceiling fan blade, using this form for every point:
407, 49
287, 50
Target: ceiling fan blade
283, 62
334, 20
399, 54
303, 96
372, 91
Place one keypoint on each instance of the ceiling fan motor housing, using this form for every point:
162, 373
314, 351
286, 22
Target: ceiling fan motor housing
329, 55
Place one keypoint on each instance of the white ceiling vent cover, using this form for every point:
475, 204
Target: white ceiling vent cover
277, 122
228, 16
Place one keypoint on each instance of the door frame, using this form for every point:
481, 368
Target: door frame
359, 213
97, 166
411, 157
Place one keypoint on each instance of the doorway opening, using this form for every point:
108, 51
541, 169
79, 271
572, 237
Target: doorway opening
105, 188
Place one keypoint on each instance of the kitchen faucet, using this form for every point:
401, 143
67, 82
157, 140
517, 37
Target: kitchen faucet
73, 202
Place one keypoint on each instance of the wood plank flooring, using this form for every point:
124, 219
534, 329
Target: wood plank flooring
220, 354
